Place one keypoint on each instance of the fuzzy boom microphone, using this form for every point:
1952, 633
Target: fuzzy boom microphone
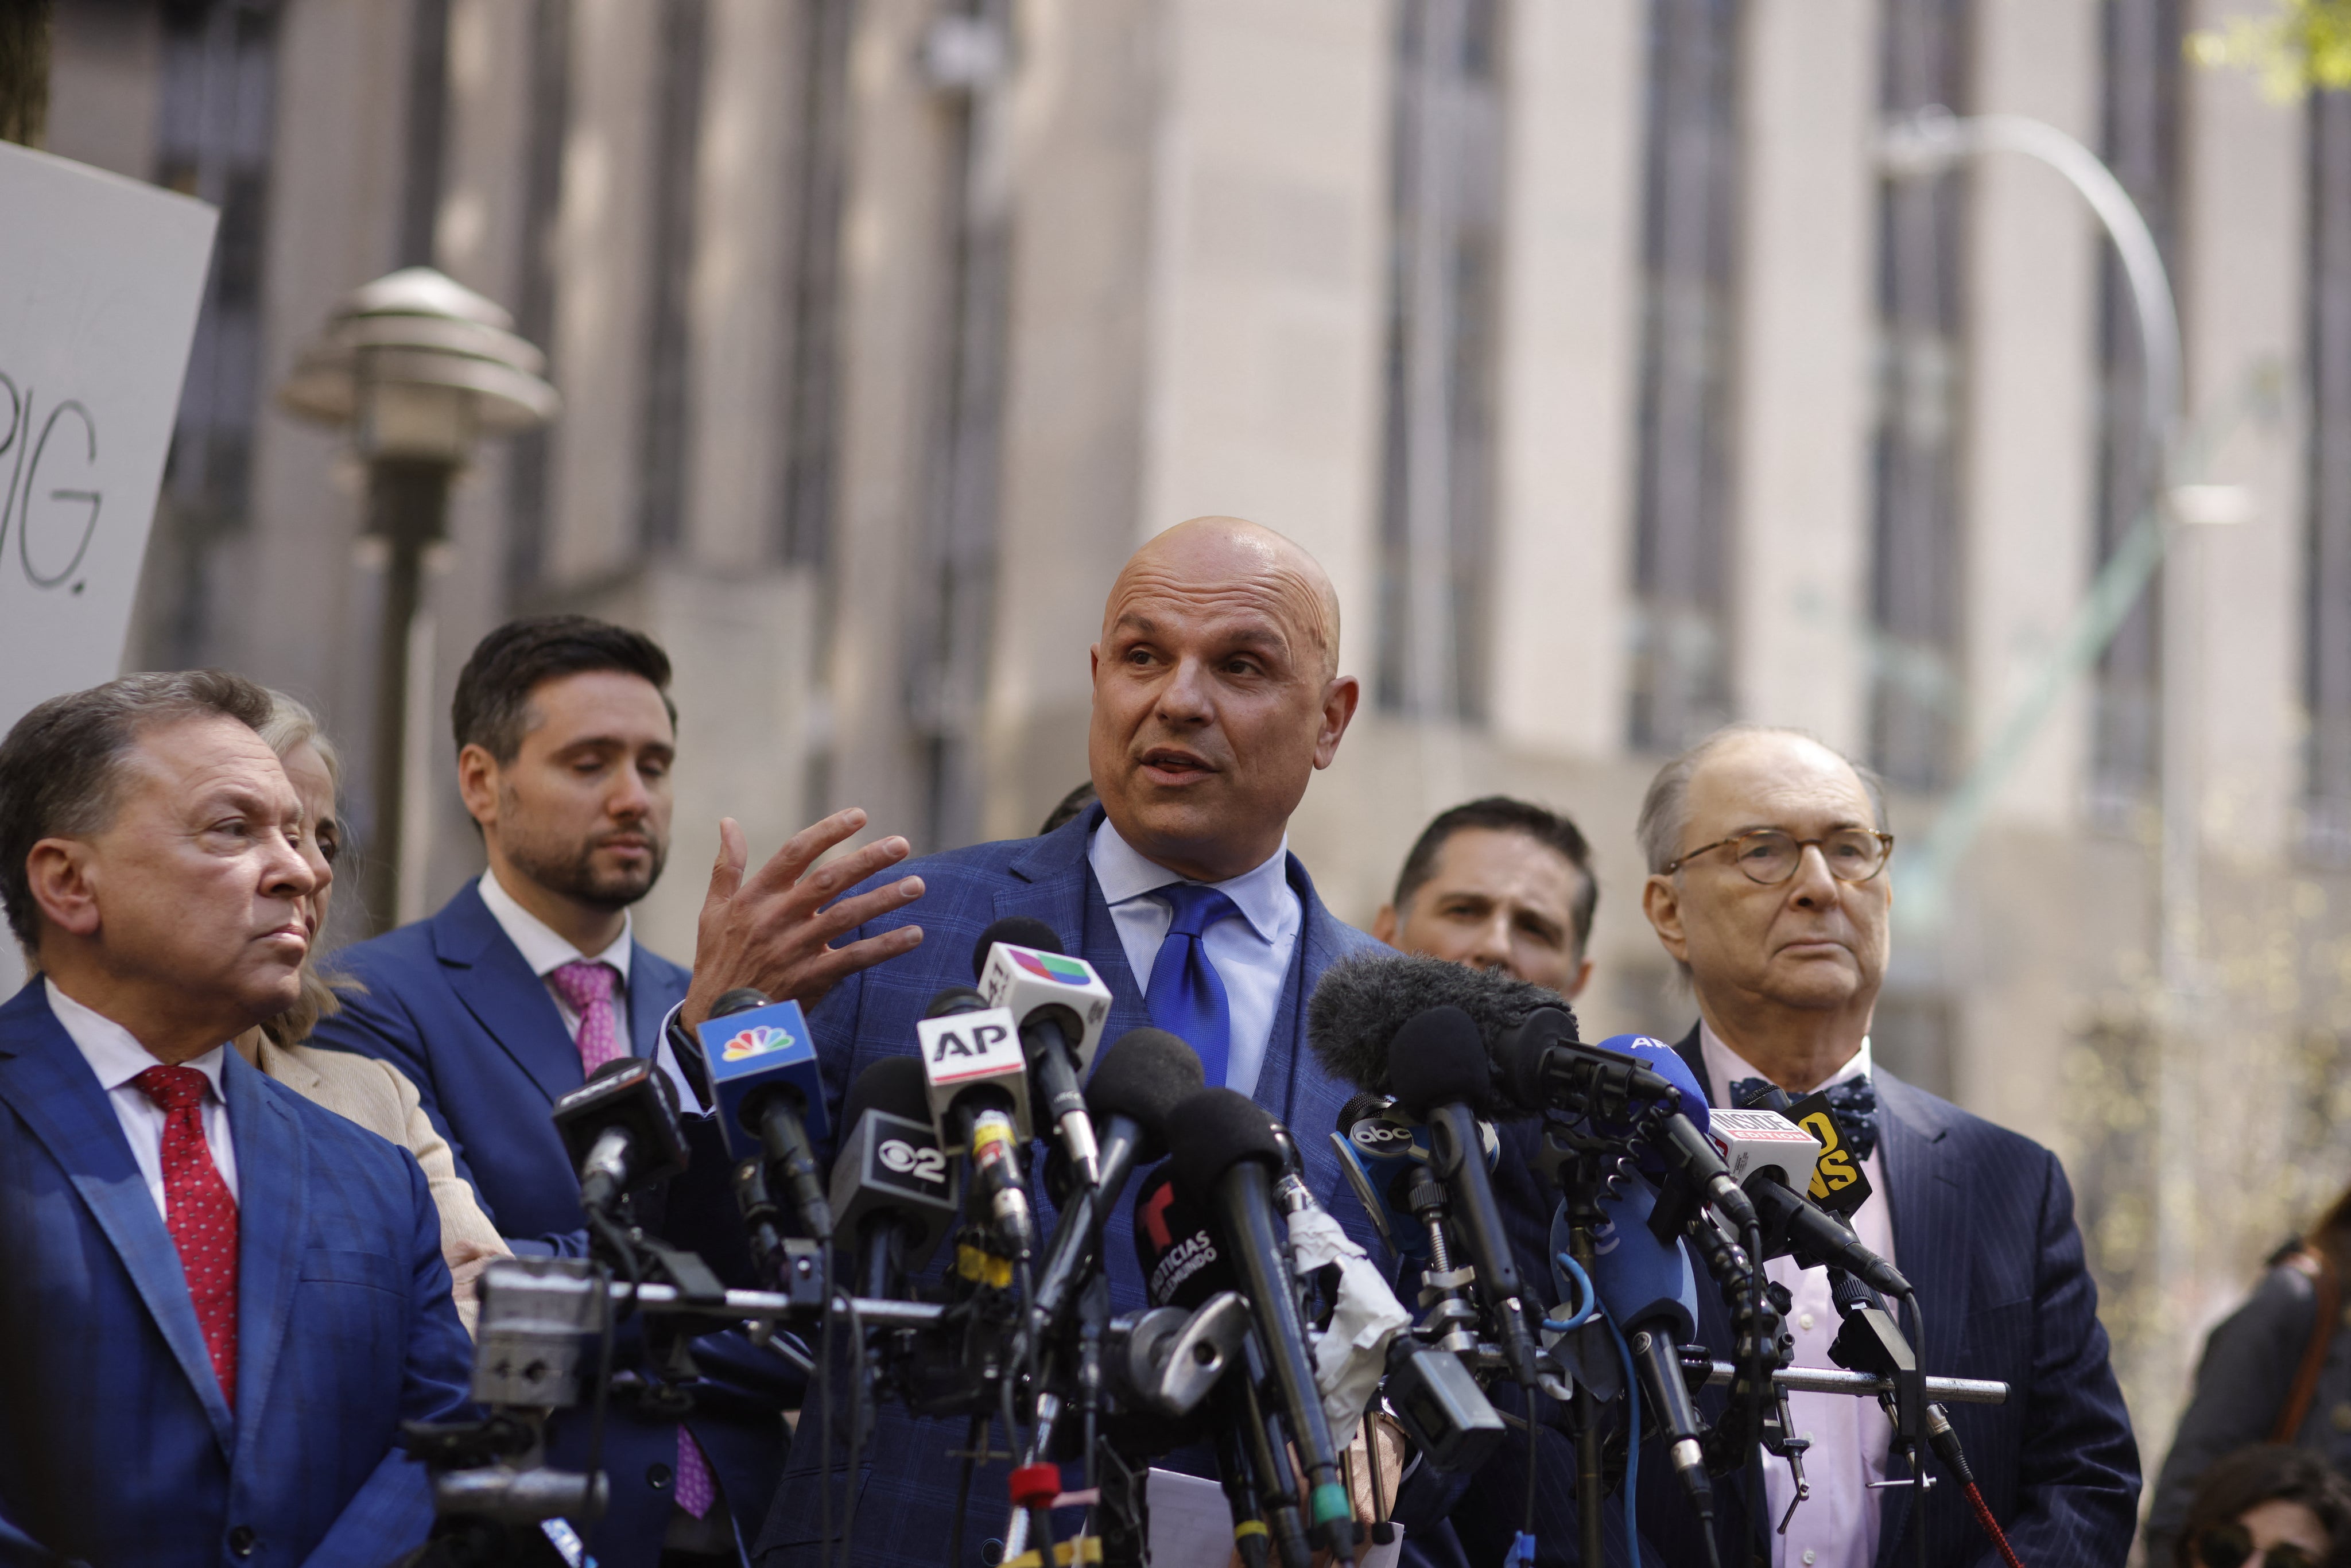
1363, 1001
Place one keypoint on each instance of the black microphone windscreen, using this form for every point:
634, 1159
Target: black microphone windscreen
1437, 1059
741, 999
1215, 1129
617, 1065
895, 1085
1017, 931
1175, 1247
1144, 1075
955, 1000
1362, 1001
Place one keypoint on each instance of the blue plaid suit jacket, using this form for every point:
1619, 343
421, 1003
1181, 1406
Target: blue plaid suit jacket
452, 1003
1983, 1226
116, 1445
906, 1482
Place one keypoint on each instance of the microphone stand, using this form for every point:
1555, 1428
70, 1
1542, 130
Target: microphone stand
1581, 1170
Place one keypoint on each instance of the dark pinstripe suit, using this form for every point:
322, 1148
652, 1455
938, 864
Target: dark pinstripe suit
1983, 1226
908, 1484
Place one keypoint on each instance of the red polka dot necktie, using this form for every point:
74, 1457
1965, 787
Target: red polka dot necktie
587, 986
199, 1212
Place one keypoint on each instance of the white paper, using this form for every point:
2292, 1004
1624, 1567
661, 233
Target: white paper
101, 279
1351, 1355
1192, 1526
1191, 1523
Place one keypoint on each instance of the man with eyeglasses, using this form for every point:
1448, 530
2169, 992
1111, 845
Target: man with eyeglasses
1767, 853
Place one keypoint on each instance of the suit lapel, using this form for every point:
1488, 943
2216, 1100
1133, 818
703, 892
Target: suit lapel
52, 1088
1933, 1237
487, 972
1054, 883
654, 987
270, 1229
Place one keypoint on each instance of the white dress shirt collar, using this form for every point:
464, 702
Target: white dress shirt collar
1261, 893
542, 948
115, 1055
1724, 1067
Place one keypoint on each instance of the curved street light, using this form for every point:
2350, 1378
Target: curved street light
418, 368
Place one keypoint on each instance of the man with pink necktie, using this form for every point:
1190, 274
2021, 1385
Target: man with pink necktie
219, 1300
531, 978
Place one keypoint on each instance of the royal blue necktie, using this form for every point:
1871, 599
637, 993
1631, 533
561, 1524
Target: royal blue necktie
1186, 996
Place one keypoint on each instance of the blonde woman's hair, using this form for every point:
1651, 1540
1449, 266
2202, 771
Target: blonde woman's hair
291, 723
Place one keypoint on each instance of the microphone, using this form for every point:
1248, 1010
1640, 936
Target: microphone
1439, 1067
1650, 1293
1228, 1147
1144, 1076
1772, 1159
893, 1188
1680, 1146
1539, 1060
1061, 1004
767, 1087
979, 1092
620, 1129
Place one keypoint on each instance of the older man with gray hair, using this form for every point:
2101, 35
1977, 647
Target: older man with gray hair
1767, 854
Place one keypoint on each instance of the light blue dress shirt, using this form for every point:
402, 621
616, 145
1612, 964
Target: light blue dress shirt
1251, 954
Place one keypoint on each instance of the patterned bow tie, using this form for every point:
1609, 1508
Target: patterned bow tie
1854, 1101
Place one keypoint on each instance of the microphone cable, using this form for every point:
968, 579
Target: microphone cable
1945, 1441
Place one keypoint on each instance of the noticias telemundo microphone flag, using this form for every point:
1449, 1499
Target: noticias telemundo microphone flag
751, 1051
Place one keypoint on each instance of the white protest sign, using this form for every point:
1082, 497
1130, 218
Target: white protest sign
101, 279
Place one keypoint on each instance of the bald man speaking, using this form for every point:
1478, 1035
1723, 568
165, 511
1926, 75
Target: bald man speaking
1217, 697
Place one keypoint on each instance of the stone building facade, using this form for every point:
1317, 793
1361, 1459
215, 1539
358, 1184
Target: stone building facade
1589, 345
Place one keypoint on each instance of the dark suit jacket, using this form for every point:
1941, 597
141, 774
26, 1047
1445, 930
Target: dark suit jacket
908, 1484
453, 1004
116, 1445
1983, 1226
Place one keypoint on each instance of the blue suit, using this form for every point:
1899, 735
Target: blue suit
453, 1004
1983, 1227
907, 1482
116, 1445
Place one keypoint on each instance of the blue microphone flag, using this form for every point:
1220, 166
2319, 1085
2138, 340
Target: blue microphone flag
750, 1053
1641, 1279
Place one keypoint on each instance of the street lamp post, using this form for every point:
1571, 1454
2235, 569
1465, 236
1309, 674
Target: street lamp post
418, 368
1926, 144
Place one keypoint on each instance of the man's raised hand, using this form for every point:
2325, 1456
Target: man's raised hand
773, 931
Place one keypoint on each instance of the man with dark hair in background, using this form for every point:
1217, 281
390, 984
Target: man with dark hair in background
1498, 884
531, 978
220, 1300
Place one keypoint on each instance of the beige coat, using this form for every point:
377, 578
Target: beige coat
378, 1097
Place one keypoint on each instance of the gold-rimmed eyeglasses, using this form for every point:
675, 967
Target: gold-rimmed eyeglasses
1771, 855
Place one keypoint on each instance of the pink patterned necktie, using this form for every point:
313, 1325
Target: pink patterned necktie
587, 986
199, 1213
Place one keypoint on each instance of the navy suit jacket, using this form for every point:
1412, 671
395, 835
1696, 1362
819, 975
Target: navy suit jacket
1983, 1226
453, 1004
116, 1445
906, 1480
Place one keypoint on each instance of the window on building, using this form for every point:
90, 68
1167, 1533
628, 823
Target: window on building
550, 107
1436, 505
2138, 135
2326, 678
1914, 556
666, 429
216, 123
812, 381
1681, 569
